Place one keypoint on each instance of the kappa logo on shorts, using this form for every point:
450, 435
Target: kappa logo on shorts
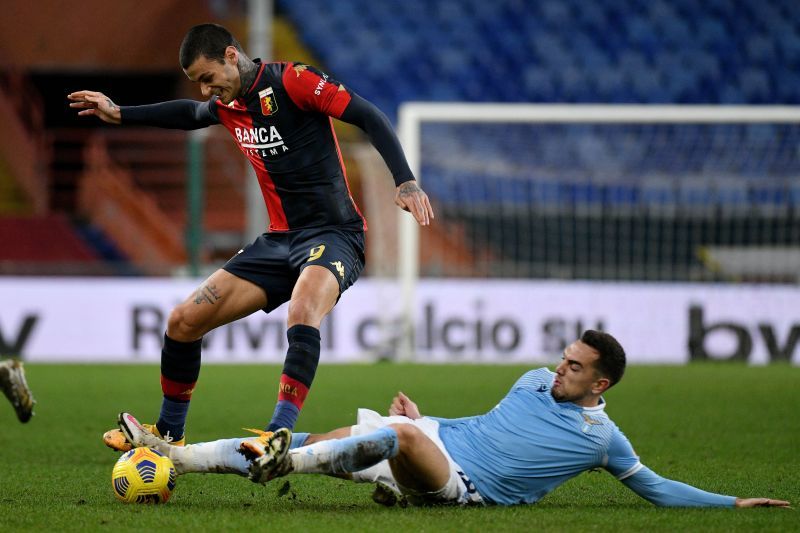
339, 268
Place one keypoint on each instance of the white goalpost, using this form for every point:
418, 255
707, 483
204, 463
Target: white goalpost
643, 186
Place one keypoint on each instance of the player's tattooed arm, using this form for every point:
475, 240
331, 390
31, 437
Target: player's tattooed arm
412, 198
207, 294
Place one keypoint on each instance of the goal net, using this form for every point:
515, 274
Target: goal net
663, 193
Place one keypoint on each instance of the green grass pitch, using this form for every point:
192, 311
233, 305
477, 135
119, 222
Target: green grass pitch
722, 427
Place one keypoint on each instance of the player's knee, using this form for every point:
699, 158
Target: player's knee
304, 311
182, 326
408, 437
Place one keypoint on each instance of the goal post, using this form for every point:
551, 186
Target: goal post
632, 142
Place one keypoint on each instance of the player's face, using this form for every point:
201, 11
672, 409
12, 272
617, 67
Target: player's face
576, 378
215, 78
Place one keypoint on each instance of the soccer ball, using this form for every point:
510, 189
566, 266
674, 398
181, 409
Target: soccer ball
143, 475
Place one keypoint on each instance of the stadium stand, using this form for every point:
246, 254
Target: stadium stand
550, 51
679, 51
570, 51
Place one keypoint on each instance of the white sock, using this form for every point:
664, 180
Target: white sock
217, 457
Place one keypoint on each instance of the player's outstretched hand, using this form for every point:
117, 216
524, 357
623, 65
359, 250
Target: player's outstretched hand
414, 200
403, 406
760, 502
97, 104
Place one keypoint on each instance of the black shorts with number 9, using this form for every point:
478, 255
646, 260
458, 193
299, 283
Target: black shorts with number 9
274, 261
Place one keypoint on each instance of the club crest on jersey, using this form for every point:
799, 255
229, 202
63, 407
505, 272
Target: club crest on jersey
269, 105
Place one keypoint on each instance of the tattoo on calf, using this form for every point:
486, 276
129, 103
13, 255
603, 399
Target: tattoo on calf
208, 294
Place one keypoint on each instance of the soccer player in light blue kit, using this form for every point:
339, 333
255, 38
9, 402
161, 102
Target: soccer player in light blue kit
550, 427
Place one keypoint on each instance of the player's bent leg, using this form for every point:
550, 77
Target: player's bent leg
220, 299
313, 296
420, 466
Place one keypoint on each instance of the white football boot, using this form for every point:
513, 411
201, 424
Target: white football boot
138, 435
273, 457
15, 387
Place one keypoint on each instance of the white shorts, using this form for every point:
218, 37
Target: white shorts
459, 490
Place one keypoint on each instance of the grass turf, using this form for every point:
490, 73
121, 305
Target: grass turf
722, 427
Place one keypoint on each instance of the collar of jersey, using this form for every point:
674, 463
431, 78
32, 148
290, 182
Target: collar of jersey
599, 407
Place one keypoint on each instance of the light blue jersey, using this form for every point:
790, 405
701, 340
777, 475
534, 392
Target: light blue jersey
529, 444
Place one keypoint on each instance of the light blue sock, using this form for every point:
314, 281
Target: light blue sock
346, 455
298, 439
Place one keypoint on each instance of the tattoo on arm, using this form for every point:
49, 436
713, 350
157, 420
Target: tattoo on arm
111, 104
208, 294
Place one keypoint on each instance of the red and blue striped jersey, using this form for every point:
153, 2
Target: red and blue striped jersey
283, 124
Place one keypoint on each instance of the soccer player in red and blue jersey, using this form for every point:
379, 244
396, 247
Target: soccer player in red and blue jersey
279, 114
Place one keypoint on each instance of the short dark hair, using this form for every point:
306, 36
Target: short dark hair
611, 363
209, 40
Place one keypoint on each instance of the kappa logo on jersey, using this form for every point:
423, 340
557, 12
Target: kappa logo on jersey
339, 268
298, 69
269, 105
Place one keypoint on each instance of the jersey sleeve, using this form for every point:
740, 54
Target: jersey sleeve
621, 459
313, 90
625, 465
668, 493
174, 114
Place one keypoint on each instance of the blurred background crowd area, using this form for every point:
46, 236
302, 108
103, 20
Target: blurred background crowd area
620, 201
